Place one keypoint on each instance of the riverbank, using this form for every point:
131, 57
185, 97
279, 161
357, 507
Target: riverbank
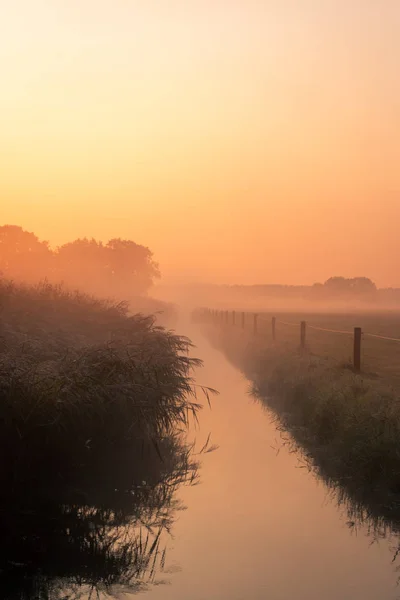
258, 525
346, 425
94, 406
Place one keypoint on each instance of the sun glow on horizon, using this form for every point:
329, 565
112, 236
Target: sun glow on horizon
240, 141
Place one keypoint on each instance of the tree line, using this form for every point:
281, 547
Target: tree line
333, 287
345, 287
116, 268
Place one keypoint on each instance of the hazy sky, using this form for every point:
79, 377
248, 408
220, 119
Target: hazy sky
242, 140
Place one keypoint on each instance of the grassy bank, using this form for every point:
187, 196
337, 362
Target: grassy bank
347, 426
94, 404
78, 375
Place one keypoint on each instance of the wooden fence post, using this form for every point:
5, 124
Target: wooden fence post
357, 349
303, 335
273, 323
255, 323
233, 318
243, 319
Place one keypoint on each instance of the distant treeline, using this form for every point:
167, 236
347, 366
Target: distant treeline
120, 266
335, 288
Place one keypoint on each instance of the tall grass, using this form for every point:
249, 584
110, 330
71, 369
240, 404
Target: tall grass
94, 404
79, 374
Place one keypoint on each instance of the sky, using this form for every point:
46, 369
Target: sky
243, 141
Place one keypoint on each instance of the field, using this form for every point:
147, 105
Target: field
379, 357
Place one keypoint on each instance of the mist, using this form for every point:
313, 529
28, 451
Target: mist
200, 299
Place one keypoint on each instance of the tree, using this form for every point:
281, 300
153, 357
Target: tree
350, 286
363, 285
23, 256
337, 284
82, 264
132, 266
119, 268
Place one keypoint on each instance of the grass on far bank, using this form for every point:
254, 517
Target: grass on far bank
346, 425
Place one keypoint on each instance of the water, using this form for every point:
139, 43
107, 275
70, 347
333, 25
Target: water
259, 526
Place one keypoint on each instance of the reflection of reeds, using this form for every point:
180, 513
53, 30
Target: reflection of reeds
55, 550
94, 406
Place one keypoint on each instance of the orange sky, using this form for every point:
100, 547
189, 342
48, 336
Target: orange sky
242, 140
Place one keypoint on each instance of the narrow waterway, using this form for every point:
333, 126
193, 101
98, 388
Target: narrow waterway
259, 526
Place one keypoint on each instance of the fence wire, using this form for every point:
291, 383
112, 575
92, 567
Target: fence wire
381, 337
288, 323
330, 330
380, 353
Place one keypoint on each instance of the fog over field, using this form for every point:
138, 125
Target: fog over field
200, 299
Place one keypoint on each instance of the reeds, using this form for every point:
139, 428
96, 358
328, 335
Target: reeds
78, 375
94, 405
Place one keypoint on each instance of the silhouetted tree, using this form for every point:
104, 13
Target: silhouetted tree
23, 256
350, 286
337, 284
132, 266
363, 285
118, 268
83, 264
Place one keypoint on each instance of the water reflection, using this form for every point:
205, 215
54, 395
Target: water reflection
366, 508
63, 543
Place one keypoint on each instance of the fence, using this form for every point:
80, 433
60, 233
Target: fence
272, 327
